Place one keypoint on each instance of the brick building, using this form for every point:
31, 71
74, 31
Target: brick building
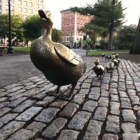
70, 23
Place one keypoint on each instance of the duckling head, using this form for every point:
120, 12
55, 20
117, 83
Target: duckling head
45, 19
97, 61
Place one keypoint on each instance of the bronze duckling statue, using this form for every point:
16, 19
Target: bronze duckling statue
110, 67
60, 65
98, 69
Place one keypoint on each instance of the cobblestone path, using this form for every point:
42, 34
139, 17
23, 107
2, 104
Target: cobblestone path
99, 110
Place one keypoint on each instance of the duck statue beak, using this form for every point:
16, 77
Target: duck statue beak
46, 19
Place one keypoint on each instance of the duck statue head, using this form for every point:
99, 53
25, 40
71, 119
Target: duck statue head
60, 65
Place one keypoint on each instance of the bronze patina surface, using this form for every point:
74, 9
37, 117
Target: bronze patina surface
59, 64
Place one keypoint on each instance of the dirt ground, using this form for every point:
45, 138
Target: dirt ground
132, 57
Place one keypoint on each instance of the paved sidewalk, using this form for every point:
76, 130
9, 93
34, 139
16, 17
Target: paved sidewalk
99, 110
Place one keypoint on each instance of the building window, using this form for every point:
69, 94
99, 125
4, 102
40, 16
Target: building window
6, 7
20, 2
31, 11
25, 3
41, 1
12, 8
12, 1
20, 9
41, 6
25, 10
37, 0
31, 4
37, 5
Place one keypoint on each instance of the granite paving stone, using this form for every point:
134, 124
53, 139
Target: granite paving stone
125, 103
106, 109
67, 134
103, 101
93, 130
4, 111
36, 126
89, 106
100, 114
115, 108
47, 100
22, 134
16, 102
54, 128
6, 118
79, 120
69, 110
112, 124
128, 115
110, 137
79, 98
28, 114
23, 106
10, 128
47, 115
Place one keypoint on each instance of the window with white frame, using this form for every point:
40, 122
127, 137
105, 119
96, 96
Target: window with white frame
25, 10
31, 11
12, 8
6, 7
25, 3
20, 9
20, 2
41, 6
37, 5
31, 4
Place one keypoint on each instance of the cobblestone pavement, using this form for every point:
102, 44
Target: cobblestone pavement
99, 110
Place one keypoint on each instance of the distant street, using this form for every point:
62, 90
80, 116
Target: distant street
17, 68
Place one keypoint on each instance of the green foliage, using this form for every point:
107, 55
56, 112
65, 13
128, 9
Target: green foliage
107, 15
103, 43
125, 37
32, 27
24, 49
16, 29
57, 35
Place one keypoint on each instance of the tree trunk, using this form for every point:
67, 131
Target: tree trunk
111, 30
136, 47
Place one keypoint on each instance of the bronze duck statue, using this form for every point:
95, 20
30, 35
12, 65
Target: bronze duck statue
98, 69
60, 65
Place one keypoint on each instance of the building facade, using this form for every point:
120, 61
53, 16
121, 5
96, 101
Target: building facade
24, 8
71, 22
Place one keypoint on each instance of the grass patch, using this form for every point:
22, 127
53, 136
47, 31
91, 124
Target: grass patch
25, 49
99, 52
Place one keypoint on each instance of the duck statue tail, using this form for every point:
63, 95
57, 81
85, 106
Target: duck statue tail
84, 66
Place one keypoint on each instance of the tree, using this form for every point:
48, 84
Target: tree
107, 14
57, 35
16, 29
136, 46
32, 28
125, 37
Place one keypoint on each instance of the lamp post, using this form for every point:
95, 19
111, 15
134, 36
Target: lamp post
10, 49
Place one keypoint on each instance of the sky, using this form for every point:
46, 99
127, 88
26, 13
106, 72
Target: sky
55, 6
